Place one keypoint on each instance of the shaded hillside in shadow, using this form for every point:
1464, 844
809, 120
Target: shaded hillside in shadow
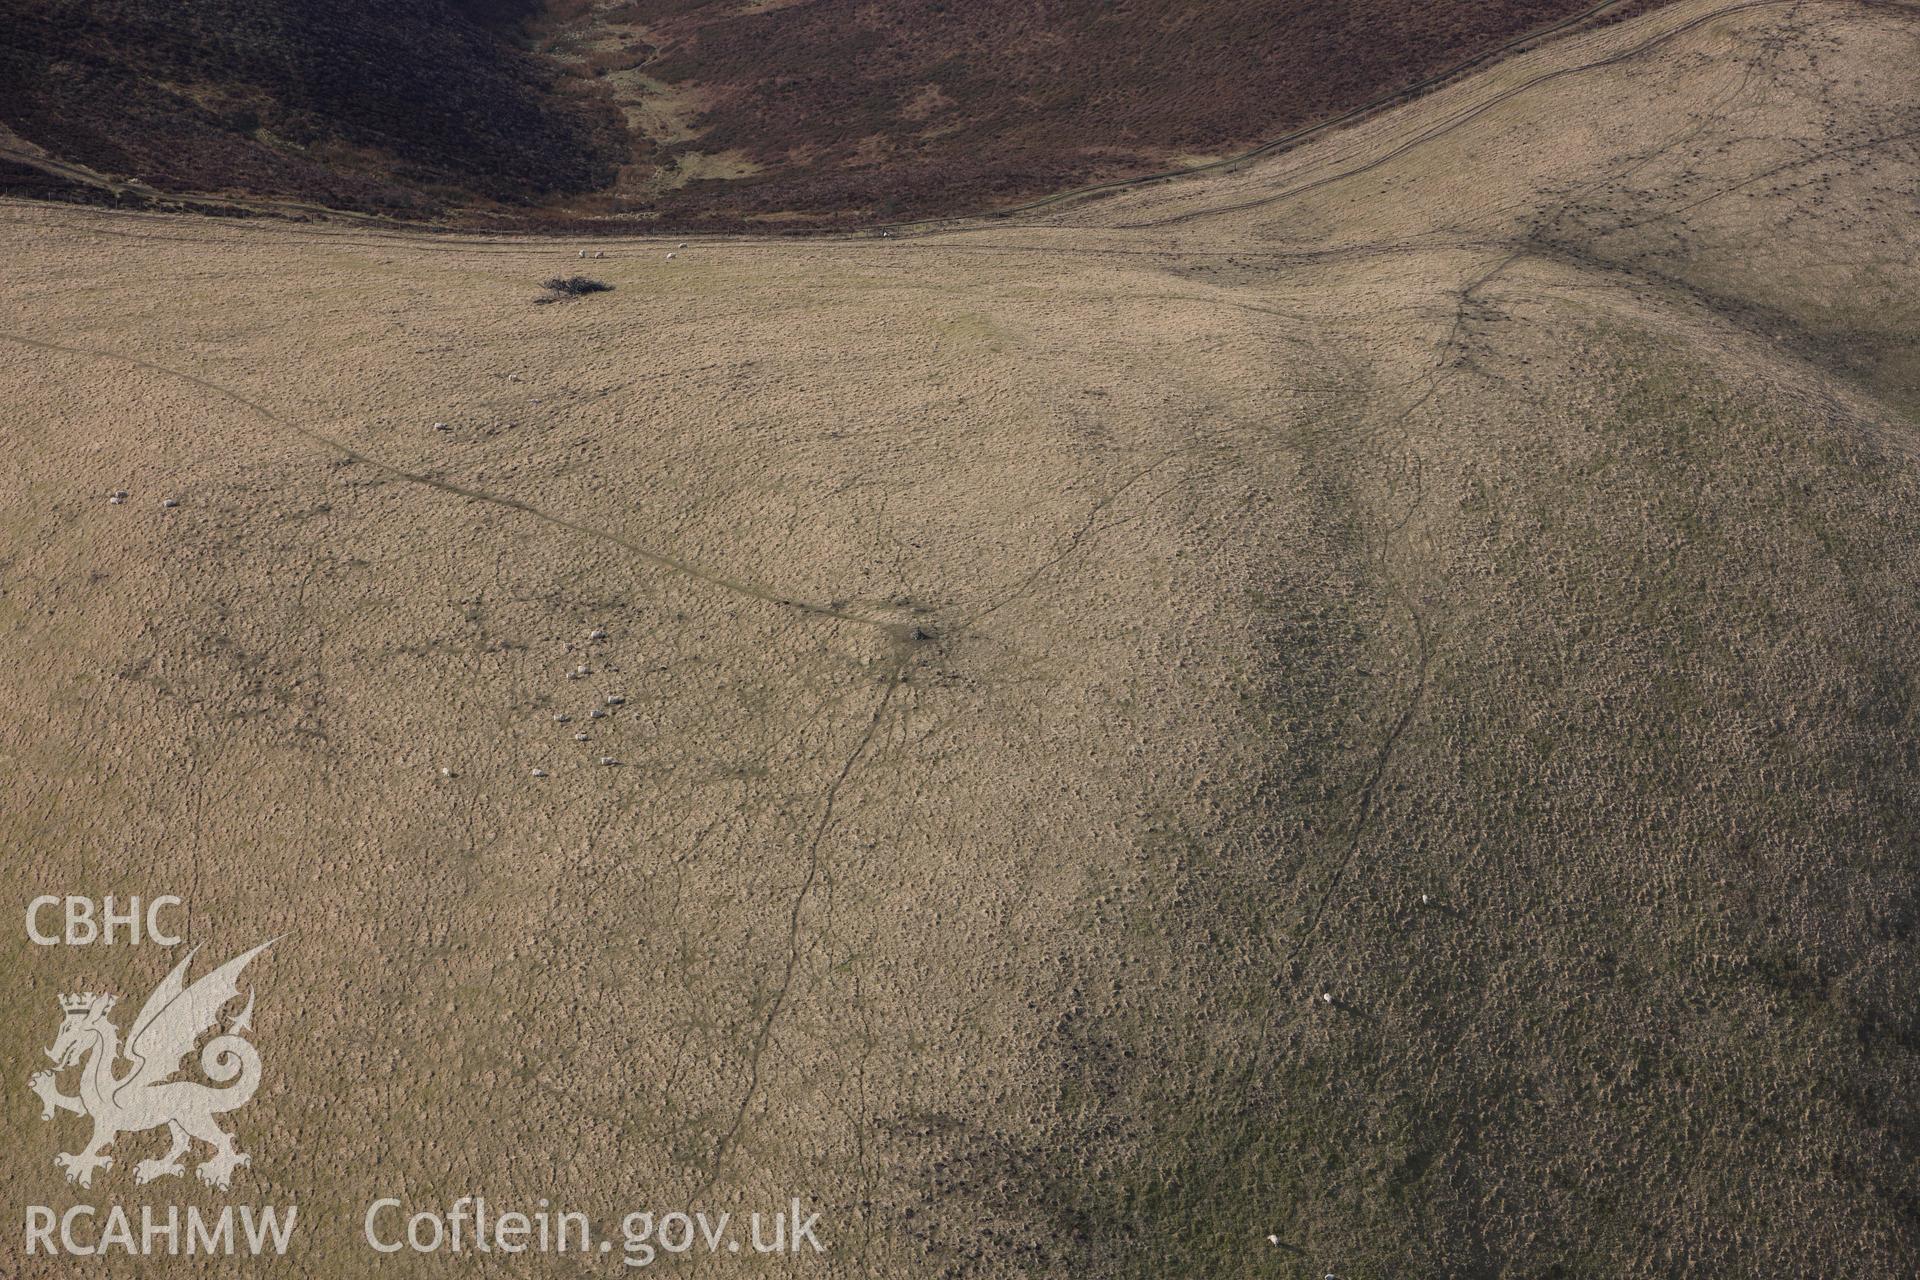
396, 106
693, 113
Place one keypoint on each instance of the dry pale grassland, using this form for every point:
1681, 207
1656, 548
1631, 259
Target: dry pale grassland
1054, 654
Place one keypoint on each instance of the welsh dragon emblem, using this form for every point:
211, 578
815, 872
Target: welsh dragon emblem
142, 1096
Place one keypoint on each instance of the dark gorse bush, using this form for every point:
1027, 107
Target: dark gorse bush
577, 285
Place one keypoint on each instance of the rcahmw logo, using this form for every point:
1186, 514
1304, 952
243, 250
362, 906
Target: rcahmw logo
126, 1086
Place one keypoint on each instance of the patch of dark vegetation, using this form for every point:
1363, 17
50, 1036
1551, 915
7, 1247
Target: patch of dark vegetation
402, 107
575, 286
898, 109
28, 182
850, 113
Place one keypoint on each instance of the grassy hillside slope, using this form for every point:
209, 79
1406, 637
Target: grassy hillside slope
400, 108
1365, 699
588, 112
